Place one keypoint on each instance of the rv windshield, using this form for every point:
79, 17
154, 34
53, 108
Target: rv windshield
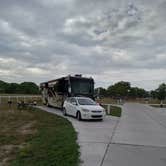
82, 86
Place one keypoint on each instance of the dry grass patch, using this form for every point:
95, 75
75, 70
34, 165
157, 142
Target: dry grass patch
16, 127
33, 137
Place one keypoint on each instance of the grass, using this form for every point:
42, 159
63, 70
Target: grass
108, 100
26, 98
36, 138
158, 106
115, 110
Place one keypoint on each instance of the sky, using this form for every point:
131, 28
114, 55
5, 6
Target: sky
110, 40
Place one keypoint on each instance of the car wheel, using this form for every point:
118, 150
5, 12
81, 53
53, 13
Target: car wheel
79, 116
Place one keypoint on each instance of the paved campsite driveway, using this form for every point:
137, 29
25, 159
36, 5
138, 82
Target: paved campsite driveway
138, 138
93, 137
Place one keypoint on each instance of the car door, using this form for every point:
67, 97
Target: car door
73, 106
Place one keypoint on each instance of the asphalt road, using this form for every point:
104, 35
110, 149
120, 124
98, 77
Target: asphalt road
138, 138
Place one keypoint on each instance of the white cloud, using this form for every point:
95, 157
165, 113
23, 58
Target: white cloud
109, 40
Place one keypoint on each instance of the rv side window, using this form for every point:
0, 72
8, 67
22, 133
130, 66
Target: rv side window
60, 87
56, 87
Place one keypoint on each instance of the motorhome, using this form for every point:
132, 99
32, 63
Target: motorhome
54, 92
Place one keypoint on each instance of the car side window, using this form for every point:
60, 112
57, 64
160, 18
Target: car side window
73, 100
67, 99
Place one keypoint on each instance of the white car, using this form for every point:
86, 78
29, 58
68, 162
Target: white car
83, 108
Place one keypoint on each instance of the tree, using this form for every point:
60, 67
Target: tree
3, 86
29, 88
101, 92
120, 89
161, 92
153, 94
12, 88
23, 88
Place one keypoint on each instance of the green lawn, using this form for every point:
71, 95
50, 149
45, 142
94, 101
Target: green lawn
115, 111
158, 106
36, 138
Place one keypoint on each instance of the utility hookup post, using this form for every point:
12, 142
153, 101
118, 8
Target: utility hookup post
109, 109
161, 104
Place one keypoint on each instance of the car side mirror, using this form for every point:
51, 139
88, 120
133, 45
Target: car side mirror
74, 103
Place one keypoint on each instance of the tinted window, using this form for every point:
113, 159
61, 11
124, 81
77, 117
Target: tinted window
72, 100
68, 99
82, 87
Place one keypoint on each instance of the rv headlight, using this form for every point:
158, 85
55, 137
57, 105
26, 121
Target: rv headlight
85, 110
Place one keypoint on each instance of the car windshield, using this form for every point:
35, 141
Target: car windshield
84, 101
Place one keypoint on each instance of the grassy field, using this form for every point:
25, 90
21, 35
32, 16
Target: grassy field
107, 100
158, 106
26, 98
36, 138
115, 110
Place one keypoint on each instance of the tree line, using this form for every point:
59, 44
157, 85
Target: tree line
22, 88
123, 89
120, 89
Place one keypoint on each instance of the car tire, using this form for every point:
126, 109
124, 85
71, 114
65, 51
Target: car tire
79, 116
64, 112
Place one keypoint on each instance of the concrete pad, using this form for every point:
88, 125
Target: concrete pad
158, 114
93, 137
127, 155
92, 153
95, 131
139, 139
137, 127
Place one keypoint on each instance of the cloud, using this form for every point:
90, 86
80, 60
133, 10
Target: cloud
109, 40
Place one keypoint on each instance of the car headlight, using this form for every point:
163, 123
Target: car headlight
85, 110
